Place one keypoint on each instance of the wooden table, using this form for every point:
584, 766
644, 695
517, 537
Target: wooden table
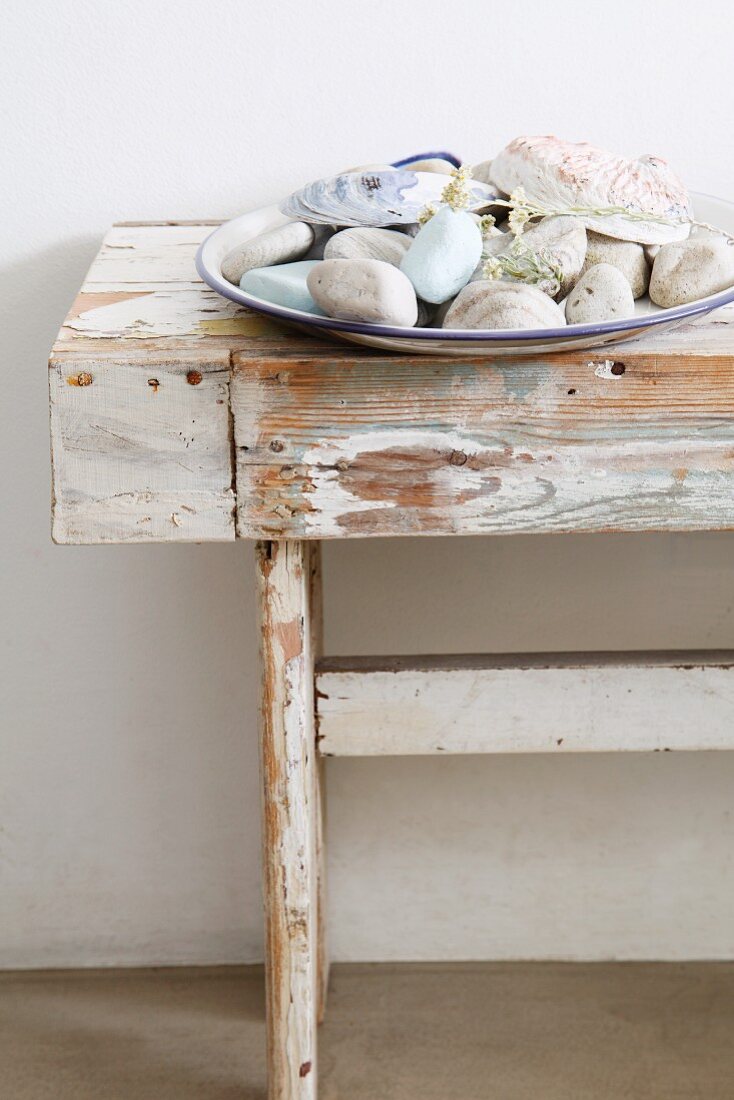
178, 416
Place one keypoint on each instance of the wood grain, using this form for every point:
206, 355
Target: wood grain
637, 702
141, 454
142, 294
414, 447
290, 815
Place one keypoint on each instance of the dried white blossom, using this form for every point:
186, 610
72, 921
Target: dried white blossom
488, 227
492, 268
428, 211
456, 193
522, 263
518, 219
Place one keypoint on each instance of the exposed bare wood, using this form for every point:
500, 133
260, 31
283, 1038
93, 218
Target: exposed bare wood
330, 449
526, 703
142, 293
290, 817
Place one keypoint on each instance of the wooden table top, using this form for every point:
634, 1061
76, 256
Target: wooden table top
178, 416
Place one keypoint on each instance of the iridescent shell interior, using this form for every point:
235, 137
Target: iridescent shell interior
375, 198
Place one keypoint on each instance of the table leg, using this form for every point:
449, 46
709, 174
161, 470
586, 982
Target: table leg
322, 951
289, 631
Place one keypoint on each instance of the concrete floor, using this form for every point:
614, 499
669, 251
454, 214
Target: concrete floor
488, 1031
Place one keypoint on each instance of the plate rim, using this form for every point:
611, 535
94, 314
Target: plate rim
228, 290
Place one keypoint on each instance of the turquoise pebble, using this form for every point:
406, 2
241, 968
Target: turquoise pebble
283, 285
443, 255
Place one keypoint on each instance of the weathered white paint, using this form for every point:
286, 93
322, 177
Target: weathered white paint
141, 454
143, 257
546, 703
290, 816
602, 369
155, 313
143, 286
582, 488
578, 493
375, 447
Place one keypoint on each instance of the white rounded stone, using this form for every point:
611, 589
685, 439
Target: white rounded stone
433, 164
277, 246
364, 290
563, 238
628, 256
687, 270
368, 244
497, 244
601, 294
482, 171
493, 304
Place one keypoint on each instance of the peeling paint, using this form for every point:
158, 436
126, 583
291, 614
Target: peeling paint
241, 325
608, 368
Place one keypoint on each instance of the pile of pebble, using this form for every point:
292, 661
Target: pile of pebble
434, 274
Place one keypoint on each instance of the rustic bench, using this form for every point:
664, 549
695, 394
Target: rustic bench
178, 416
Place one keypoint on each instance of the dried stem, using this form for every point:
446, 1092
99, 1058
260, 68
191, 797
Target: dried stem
522, 210
523, 263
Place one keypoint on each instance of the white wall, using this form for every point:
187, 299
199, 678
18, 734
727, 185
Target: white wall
128, 786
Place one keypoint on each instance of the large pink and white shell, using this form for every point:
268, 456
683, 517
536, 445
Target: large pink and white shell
558, 174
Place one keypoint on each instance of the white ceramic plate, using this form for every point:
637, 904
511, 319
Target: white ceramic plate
437, 341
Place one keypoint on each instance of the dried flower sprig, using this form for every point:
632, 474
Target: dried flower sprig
524, 264
523, 210
488, 227
427, 213
456, 192
493, 268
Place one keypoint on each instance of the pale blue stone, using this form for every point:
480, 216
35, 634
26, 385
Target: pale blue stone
283, 285
443, 255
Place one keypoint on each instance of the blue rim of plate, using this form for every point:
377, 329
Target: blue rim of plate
312, 320
441, 155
